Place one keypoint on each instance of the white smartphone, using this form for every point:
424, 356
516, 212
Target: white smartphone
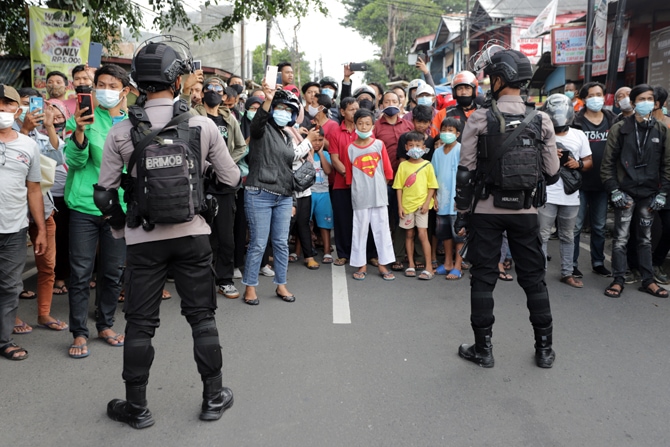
197, 65
271, 76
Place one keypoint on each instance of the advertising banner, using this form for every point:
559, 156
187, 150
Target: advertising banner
569, 46
659, 57
59, 41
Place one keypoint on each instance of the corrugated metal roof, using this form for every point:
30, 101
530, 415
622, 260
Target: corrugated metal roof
504, 9
11, 68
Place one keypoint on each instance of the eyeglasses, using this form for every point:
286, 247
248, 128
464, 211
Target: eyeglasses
3, 150
215, 87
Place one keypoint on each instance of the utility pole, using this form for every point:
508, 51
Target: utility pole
389, 57
615, 49
268, 48
588, 55
242, 65
466, 50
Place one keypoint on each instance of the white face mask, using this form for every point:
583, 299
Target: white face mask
624, 104
6, 119
312, 110
108, 98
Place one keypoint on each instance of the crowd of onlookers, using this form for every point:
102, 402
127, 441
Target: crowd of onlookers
385, 163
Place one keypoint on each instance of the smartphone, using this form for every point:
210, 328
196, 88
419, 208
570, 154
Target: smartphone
421, 56
565, 156
36, 103
86, 100
271, 72
197, 65
353, 66
95, 55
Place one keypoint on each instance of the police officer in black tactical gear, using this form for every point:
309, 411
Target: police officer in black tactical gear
508, 154
178, 241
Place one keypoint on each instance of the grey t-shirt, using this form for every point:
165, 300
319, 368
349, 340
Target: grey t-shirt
22, 163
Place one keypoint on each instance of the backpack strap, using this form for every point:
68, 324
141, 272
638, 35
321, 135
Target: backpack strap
505, 147
148, 137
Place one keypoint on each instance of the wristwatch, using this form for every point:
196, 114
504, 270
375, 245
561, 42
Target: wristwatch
581, 165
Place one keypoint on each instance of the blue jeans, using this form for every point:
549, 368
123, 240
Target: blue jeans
267, 214
12, 261
639, 216
596, 202
86, 231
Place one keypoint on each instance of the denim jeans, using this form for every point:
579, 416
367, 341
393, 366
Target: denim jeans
640, 216
567, 215
596, 202
86, 231
12, 261
267, 214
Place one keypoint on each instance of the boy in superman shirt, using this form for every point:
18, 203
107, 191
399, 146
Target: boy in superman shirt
415, 183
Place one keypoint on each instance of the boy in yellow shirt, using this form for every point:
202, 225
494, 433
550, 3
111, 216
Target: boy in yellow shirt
415, 183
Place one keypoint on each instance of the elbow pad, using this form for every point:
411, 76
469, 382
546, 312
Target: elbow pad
107, 201
465, 188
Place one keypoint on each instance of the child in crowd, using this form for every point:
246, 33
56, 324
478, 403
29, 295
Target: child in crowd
445, 162
368, 170
322, 210
415, 183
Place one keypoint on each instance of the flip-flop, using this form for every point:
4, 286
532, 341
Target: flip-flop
387, 276
454, 272
62, 290
503, 275
374, 262
359, 276
112, 337
166, 295
426, 275
340, 261
27, 295
397, 267
53, 323
82, 355
22, 325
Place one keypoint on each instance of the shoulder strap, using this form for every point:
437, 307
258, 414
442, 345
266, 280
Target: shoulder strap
505, 147
149, 137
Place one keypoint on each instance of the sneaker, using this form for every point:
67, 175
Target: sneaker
554, 236
576, 273
267, 271
237, 274
229, 291
660, 276
602, 271
632, 276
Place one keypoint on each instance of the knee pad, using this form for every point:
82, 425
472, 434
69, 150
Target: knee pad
481, 304
138, 353
539, 308
206, 347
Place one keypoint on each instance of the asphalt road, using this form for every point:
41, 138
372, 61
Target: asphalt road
390, 377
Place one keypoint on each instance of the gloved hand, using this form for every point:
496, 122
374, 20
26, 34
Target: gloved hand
116, 218
658, 203
462, 222
618, 199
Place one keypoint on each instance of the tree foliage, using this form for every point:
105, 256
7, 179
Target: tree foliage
106, 17
401, 21
301, 69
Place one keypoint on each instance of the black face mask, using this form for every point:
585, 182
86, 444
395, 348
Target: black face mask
238, 88
367, 104
213, 99
464, 101
561, 129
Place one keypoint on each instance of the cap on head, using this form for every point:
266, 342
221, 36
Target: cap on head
9, 92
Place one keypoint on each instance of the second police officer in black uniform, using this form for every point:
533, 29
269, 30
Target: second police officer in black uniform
508, 154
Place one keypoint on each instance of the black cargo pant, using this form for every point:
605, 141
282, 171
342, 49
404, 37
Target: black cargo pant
190, 260
485, 234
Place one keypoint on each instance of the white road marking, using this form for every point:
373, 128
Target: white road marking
587, 247
28, 273
341, 311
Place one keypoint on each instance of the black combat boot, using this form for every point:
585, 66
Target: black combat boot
481, 352
216, 398
544, 355
132, 411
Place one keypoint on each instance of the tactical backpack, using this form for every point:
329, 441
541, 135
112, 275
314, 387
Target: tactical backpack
512, 160
168, 187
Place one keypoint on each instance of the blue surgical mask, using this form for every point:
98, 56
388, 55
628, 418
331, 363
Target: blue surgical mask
595, 103
570, 94
251, 114
108, 98
447, 137
282, 117
328, 91
424, 101
644, 108
24, 110
391, 111
665, 110
416, 153
363, 135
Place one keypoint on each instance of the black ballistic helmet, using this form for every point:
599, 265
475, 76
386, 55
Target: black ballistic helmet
560, 110
159, 61
511, 65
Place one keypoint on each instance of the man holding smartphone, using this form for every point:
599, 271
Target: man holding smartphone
88, 228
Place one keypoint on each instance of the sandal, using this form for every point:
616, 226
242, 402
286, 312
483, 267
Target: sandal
166, 295
27, 295
327, 259
442, 270
503, 275
374, 262
122, 297
410, 272
387, 276
60, 290
434, 264
507, 264
359, 276
81, 348
108, 339
56, 325
426, 275
572, 281
340, 261
611, 292
21, 329
420, 266
466, 265
659, 292
397, 267
11, 355
454, 274
312, 265
292, 257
